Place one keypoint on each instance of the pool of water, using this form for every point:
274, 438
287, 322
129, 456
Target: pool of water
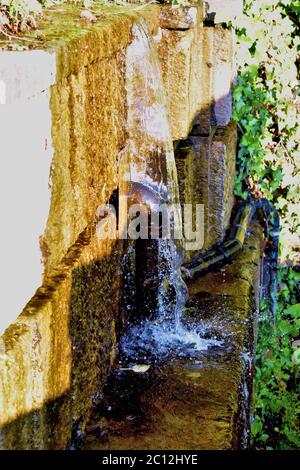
172, 392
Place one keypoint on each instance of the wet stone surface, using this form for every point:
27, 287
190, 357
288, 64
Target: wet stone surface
189, 398
179, 405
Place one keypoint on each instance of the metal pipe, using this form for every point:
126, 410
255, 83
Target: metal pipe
221, 253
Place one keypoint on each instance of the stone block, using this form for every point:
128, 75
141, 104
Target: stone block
174, 51
197, 74
206, 171
181, 61
188, 166
192, 162
198, 70
218, 74
223, 75
221, 181
202, 146
203, 119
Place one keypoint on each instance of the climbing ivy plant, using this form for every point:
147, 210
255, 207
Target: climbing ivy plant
266, 108
267, 111
277, 386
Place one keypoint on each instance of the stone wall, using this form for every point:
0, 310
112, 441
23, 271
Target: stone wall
54, 358
56, 355
207, 176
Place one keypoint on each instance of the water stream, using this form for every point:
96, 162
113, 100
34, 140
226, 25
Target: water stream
150, 177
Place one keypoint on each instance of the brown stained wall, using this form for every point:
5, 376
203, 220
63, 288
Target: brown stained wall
61, 348
89, 130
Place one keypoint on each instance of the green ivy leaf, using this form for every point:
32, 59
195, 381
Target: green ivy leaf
293, 311
256, 427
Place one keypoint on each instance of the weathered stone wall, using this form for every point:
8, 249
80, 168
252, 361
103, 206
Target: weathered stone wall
88, 131
199, 71
55, 357
179, 49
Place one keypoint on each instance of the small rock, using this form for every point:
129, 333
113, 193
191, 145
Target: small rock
137, 368
86, 15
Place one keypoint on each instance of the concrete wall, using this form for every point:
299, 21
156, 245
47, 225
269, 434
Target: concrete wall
64, 126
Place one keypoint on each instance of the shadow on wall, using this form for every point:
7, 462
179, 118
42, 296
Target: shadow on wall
82, 334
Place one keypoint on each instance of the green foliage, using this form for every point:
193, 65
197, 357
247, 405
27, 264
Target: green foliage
266, 110
21, 8
266, 107
277, 385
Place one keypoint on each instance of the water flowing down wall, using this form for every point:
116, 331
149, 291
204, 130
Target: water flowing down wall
99, 107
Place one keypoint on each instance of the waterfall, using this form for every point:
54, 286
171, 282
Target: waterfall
149, 176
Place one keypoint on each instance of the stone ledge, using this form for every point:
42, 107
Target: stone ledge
75, 44
230, 298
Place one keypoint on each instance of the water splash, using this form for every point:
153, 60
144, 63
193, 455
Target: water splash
150, 176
